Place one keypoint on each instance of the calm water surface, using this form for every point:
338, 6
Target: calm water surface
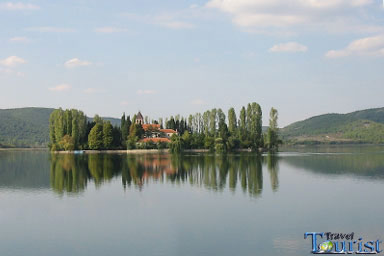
198, 204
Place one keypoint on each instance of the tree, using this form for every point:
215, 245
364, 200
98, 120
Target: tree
75, 130
124, 130
67, 143
206, 116
176, 145
95, 137
212, 122
272, 133
243, 128
232, 121
220, 145
107, 135
187, 139
116, 134
97, 119
258, 124
69, 122
135, 133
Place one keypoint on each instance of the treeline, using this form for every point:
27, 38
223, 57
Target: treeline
214, 131
71, 130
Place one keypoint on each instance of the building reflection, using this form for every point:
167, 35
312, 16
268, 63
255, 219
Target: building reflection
72, 173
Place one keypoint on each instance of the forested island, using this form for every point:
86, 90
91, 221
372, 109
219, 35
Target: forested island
29, 128
212, 130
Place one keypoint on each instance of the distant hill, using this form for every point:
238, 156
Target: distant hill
114, 121
28, 127
24, 127
365, 126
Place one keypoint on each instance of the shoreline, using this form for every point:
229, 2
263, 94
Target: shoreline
157, 151
24, 149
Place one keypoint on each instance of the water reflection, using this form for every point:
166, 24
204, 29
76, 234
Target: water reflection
273, 169
27, 170
66, 173
358, 165
71, 173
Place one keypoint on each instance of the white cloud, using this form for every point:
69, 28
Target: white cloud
145, 92
198, 102
368, 46
12, 61
8, 71
110, 30
289, 47
18, 6
19, 39
75, 62
168, 20
60, 88
51, 29
280, 14
93, 90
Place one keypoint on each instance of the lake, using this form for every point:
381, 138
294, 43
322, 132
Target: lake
196, 204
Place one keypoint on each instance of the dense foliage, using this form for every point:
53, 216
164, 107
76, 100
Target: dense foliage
211, 130
72, 130
24, 127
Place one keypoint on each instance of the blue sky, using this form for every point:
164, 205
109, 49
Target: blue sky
303, 57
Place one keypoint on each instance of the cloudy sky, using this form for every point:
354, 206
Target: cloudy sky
303, 57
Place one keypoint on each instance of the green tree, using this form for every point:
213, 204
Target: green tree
232, 121
69, 122
176, 145
272, 133
95, 137
206, 116
107, 135
212, 122
67, 143
187, 139
243, 128
258, 124
97, 119
124, 130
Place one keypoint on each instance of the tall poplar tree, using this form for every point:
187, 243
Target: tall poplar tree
272, 133
232, 121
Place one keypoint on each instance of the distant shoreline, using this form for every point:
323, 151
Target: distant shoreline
24, 149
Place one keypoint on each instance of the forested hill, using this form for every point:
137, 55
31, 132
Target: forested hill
24, 127
28, 127
365, 126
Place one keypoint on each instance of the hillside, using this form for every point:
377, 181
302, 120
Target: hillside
24, 127
365, 126
28, 127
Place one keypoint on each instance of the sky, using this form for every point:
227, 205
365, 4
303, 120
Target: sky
302, 57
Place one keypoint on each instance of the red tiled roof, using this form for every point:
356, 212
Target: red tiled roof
151, 126
168, 130
155, 140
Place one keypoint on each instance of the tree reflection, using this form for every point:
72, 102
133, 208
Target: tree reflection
273, 169
71, 173
68, 173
